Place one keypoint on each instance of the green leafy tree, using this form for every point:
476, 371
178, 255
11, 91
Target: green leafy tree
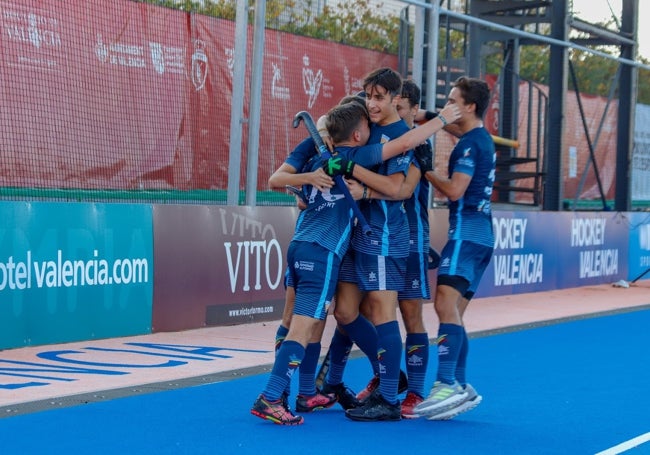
359, 23
364, 23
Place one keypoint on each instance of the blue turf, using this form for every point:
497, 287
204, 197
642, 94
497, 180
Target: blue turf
572, 388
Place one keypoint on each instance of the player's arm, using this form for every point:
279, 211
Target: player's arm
286, 174
453, 188
406, 189
416, 136
390, 185
424, 116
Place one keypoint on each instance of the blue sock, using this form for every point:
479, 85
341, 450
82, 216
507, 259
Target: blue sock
462, 360
307, 373
339, 352
364, 334
449, 344
280, 335
390, 359
287, 361
417, 360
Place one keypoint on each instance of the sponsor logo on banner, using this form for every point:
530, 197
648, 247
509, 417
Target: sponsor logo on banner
255, 258
157, 58
644, 237
33, 38
353, 85
278, 91
121, 54
589, 234
199, 65
515, 267
230, 61
23, 272
311, 81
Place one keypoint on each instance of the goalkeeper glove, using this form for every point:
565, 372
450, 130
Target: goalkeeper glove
339, 166
424, 155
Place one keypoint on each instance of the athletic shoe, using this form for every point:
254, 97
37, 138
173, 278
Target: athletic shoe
315, 402
285, 401
441, 398
473, 399
411, 401
275, 412
402, 386
375, 408
345, 396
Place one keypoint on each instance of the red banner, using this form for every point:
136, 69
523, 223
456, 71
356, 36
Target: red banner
124, 95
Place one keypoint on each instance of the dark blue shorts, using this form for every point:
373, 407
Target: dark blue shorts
416, 279
465, 259
314, 273
379, 273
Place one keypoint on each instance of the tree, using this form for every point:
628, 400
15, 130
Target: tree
364, 23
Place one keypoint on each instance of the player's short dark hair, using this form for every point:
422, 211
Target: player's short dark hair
387, 78
342, 120
353, 99
411, 92
474, 91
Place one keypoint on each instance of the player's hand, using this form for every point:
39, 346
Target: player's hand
424, 156
355, 188
320, 180
339, 166
451, 113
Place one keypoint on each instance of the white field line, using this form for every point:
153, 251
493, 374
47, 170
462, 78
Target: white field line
627, 445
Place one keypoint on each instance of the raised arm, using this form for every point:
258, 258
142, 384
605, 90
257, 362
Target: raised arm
416, 136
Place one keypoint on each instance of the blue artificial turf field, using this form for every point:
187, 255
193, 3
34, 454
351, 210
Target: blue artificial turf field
571, 388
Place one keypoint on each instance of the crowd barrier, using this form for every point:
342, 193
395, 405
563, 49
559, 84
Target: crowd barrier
71, 272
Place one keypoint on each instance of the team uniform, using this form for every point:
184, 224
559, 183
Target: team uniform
416, 287
380, 258
321, 239
416, 277
464, 259
299, 159
470, 237
379, 265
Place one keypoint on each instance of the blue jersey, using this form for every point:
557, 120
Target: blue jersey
470, 217
417, 211
300, 155
328, 218
387, 219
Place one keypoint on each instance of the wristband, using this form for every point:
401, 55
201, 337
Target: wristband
365, 192
443, 120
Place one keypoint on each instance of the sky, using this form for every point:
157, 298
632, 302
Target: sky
597, 11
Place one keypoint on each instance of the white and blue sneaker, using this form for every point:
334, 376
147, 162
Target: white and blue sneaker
442, 397
473, 399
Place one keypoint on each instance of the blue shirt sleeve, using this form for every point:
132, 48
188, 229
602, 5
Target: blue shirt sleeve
301, 155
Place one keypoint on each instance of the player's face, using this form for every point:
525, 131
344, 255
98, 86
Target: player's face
406, 111
380, 104
466, 110
364, 132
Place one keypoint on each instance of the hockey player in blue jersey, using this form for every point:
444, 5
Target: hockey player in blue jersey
468, 186
321, 239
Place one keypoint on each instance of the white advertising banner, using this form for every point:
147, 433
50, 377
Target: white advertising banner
641, 155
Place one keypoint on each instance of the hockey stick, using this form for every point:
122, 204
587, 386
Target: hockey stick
296, 192
324, 152
322, 371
